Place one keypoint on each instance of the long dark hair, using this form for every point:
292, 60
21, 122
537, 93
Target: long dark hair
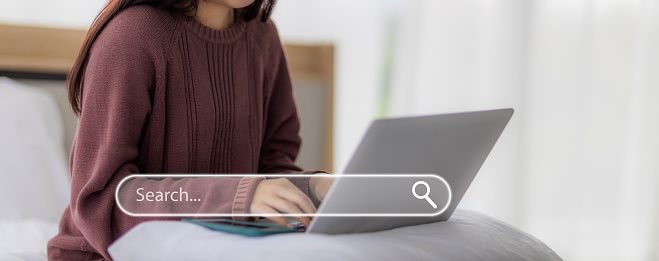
74, 79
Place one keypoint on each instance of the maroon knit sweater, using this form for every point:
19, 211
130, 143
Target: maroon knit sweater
163, 93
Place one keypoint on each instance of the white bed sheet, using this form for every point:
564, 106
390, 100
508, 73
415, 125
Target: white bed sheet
467, 235
25, 240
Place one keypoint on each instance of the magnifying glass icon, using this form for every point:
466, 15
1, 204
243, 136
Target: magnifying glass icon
425, 196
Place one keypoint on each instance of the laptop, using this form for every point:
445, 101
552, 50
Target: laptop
453, 146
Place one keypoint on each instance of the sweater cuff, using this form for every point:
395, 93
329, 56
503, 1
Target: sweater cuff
314, 171
301, 183
304, 182
244, 195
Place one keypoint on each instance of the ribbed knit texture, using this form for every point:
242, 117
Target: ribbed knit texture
163, 93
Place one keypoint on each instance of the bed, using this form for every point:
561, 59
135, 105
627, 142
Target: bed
38, 127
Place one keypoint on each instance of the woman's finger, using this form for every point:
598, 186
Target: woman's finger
279, 220
286, 207
299, 198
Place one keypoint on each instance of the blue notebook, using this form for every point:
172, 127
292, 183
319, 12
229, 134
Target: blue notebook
243, 227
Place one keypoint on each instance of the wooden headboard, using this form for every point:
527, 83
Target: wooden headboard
44, 56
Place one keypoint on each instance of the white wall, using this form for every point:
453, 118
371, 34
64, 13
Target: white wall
48, 13
358, 31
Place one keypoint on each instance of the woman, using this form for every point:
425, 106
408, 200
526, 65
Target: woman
194, 86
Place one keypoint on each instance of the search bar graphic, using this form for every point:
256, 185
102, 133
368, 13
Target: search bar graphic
351, 195
425, 196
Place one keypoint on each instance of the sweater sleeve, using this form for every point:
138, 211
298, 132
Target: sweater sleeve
121, 77
281, 142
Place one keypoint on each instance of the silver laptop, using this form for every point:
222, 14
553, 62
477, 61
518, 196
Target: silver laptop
452, 146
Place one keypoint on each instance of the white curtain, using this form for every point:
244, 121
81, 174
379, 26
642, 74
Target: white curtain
578, 166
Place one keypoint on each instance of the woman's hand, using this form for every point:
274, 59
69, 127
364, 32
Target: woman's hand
319, 185
275, 196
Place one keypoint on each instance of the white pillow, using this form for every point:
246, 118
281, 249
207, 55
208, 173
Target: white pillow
34, 179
